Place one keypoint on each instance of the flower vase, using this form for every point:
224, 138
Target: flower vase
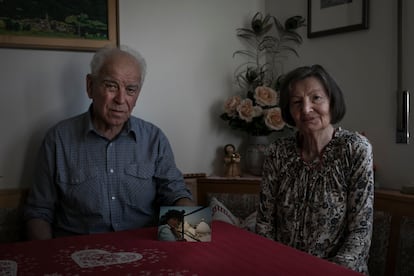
254, 157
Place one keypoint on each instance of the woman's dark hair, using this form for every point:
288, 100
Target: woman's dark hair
179, 215
337, 103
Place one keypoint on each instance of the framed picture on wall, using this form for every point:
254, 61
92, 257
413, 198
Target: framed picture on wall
327, 17
62, 25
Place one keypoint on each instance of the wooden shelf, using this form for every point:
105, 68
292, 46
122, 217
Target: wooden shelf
232, 185
395, 202
12, 198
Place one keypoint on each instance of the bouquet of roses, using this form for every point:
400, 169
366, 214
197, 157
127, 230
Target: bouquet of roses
257, 112
257, 115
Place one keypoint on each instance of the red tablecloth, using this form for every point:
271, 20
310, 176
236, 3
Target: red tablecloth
232, 251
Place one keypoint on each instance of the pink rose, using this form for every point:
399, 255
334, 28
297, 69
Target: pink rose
273, 118
265, 96
247, 111
231, 104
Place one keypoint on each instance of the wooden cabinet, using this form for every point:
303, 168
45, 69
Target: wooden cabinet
11, 214
392, 249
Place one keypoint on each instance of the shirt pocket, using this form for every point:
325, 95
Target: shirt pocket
138, 186
82, 191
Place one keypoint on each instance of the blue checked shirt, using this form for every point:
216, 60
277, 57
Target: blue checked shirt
85, 183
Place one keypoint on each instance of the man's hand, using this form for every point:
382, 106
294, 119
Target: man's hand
38, 229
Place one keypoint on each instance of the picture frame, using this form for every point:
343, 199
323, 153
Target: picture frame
328, 17
110, 29
185, 223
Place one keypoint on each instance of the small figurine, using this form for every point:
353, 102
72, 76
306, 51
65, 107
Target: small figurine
231, 161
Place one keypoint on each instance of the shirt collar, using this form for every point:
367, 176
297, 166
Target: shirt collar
128, 129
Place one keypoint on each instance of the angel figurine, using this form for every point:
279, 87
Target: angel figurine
231, 161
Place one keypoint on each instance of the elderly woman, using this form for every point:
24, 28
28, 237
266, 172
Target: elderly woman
317, 187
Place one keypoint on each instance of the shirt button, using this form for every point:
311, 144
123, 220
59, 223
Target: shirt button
113, 198
111, 170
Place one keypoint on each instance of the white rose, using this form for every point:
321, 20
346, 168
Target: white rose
265, 96
231, 104
247, 111
273, 119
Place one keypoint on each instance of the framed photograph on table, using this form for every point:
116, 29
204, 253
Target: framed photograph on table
327, 17
62, 25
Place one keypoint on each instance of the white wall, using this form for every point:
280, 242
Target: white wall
364, 64
188, 45
37, 89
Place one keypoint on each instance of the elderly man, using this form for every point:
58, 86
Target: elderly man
104, 170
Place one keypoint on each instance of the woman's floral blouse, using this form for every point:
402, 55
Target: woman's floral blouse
324, 207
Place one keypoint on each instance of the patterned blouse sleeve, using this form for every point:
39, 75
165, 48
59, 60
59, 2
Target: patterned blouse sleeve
265, 222
355, 249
